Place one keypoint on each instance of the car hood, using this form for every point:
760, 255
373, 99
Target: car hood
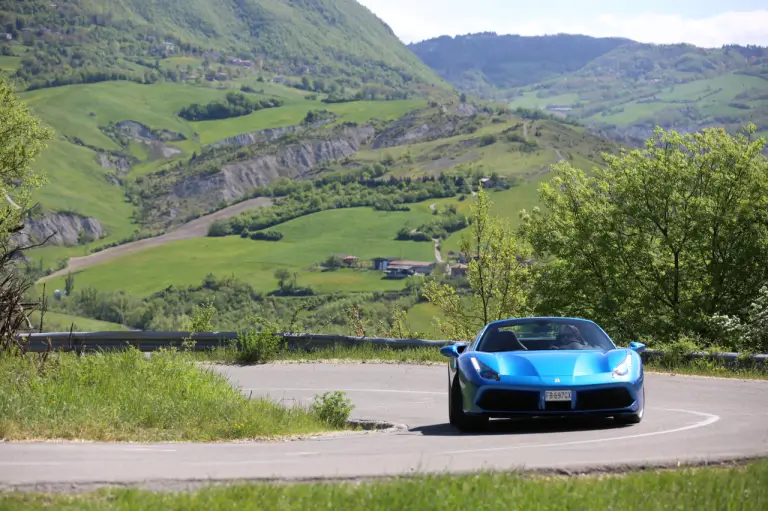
555, 363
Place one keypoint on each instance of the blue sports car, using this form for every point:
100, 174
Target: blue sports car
534, 367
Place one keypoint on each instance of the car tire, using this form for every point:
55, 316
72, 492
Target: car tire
460, 420
633, 418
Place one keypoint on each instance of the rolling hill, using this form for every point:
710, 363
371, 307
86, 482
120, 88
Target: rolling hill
621, 87
203, 148
75, 41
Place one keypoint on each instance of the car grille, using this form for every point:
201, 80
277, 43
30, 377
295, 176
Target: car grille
557, 406
500, 400
603, 399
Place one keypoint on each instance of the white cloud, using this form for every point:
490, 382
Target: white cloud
420, 20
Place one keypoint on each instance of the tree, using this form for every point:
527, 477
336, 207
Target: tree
661, 239
282, 275
69, 284
21, 139
498, 275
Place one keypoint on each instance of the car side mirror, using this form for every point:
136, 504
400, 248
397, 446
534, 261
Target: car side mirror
452, 350
637, 346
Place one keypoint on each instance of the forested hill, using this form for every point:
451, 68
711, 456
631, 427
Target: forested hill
485, 61
623, 87
66, 41
489, 64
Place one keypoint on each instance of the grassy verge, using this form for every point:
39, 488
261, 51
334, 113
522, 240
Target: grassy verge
703, 367
373, 354
740, 487
123, 396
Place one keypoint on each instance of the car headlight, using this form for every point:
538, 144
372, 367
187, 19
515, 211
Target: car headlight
484, 371
624, 368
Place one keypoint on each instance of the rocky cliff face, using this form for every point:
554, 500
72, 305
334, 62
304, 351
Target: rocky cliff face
421, 126
237, 178
68, 229
185, 194
267, 135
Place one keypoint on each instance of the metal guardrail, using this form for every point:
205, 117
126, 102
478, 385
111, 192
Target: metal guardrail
152, 341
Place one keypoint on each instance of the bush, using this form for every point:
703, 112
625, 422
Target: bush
266, 235
750, 336
333, 408
237, 104
258, 347
219, 228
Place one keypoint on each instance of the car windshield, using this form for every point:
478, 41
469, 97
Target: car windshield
543, 335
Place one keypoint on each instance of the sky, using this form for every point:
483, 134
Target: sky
706, 23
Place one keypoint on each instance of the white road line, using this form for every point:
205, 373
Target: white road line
710, 419
149, 449
351, 390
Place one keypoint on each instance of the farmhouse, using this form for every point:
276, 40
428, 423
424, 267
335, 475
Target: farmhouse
349, 260
459, 270
400, 269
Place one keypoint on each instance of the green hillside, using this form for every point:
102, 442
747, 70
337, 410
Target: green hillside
179, 172
94, 40
488, 63
621, 87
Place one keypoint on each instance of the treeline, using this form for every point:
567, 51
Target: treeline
359, 189
234, 300
236, 104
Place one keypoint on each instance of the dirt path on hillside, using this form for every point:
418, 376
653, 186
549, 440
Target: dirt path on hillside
197, 228
438, 256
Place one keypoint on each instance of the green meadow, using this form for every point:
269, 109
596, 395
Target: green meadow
307, 242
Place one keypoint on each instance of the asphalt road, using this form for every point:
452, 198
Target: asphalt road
687, 419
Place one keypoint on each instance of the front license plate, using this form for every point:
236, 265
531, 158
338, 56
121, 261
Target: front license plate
558, 395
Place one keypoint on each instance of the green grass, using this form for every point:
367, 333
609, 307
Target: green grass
9, 63
59, 322
307, 241
67, 109
421, 317
711, 488
77, 183
123, 396
506, 204
293, 112
530, 100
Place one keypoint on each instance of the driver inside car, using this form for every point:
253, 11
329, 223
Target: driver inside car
569, 338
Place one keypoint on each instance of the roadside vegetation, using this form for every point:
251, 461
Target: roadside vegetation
711, 488
124, 396
117, 395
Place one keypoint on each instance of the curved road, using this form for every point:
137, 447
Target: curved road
687, 419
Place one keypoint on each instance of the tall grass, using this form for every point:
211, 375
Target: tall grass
694, 489
121, 396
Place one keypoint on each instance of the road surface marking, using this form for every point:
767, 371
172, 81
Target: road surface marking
710, 419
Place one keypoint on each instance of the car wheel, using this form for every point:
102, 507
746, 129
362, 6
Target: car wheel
463, 422
633, 418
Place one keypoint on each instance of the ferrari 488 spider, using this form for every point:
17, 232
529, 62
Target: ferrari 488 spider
533, 367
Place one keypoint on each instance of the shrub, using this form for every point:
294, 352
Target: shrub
219, 228
333, 408
266, 235
258, 347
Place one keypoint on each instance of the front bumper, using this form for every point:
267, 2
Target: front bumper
508, 400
